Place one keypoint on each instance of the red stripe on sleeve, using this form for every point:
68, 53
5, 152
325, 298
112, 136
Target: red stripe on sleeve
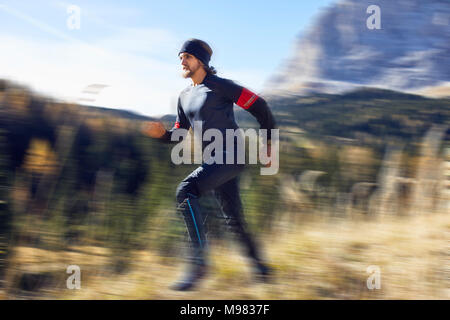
246, 99
177, 125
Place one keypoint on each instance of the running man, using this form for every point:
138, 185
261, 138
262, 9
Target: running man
210, 99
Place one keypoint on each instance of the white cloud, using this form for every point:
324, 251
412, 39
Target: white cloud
62, 69
135, 80
149, 41
139, 65
252, 79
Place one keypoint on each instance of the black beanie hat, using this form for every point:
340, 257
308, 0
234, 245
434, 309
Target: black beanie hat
196, 48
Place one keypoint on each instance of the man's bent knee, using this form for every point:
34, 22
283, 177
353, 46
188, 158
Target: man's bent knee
185, 190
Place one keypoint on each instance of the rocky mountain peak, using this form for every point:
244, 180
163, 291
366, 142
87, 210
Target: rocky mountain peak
400, 45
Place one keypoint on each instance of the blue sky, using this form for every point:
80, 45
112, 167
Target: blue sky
132, 46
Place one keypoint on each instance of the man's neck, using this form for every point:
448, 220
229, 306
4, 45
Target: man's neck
198, 77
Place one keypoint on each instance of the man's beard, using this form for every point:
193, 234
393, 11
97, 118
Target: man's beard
187, 73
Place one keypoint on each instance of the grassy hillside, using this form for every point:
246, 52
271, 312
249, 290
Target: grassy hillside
370, 113
81, 185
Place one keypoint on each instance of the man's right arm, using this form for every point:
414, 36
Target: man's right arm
157, 130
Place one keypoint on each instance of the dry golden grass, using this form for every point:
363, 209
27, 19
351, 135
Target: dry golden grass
325, 258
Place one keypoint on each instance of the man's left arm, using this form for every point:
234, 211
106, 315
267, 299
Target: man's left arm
250, 102
258, 107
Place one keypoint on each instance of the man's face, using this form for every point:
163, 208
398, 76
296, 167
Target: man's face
189, 64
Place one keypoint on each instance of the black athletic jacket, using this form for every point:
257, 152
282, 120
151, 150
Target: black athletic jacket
212, 103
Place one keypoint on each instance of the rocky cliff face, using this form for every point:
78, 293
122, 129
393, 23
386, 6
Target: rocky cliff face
409, 52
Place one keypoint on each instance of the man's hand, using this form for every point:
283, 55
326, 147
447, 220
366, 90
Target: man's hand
153, 129
268, 148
